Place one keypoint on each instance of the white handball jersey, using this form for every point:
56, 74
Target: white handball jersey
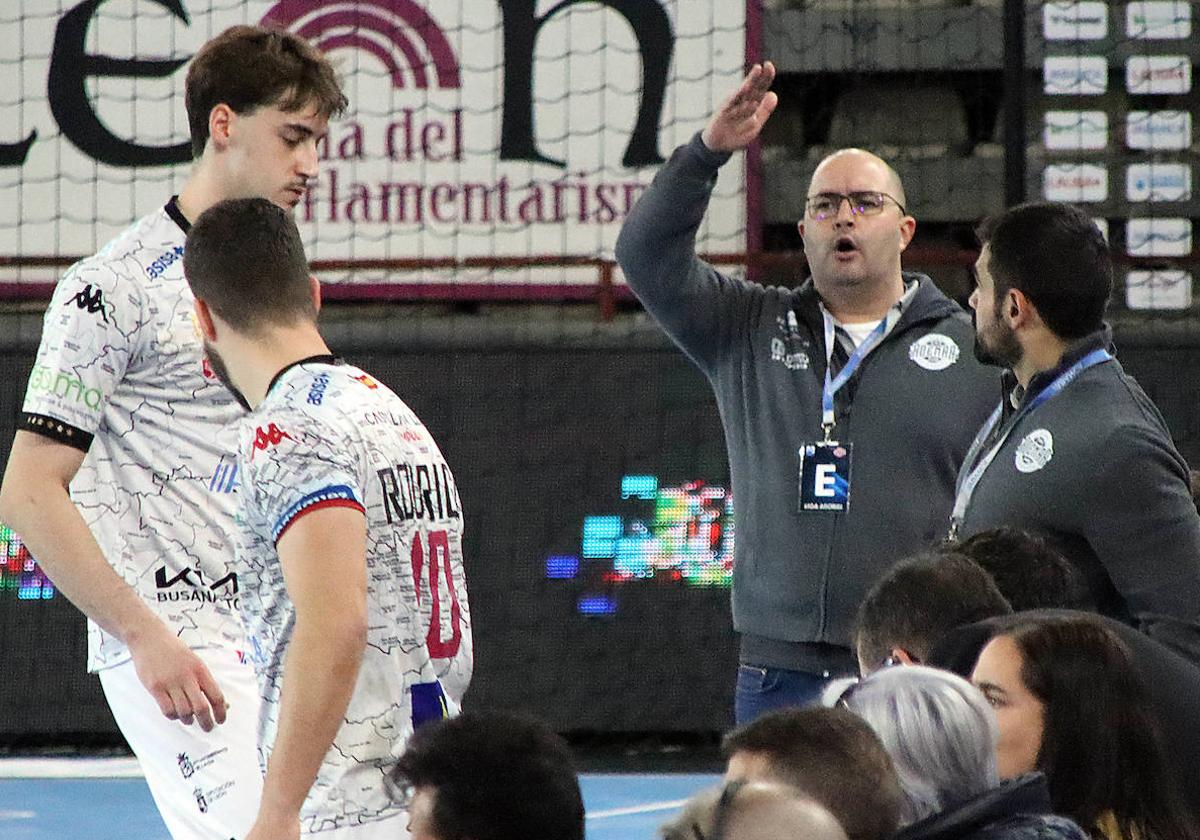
121, 375
327, 434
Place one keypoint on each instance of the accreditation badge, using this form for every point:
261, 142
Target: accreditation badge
825, 477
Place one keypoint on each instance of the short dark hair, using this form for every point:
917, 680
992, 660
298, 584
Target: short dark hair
920, 600
1056, 256
1100, 750
496, 777
835, 757
244, 258
247, 67
1030, 574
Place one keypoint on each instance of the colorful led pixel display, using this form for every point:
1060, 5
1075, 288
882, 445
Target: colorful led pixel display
19, 572
681, 534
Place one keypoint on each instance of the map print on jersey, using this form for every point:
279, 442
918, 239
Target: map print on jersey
121, 364
328, 434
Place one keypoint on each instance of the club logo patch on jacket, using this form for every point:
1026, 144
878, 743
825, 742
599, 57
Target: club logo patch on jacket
1035, 451
934, 351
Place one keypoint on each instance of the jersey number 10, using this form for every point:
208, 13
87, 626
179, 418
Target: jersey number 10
439, 562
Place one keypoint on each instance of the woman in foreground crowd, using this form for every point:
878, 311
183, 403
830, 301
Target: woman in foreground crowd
1070, 705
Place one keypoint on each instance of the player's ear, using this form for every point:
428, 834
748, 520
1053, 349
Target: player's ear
220, 124
205, 322
314, 287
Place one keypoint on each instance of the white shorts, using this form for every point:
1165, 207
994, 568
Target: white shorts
207, 785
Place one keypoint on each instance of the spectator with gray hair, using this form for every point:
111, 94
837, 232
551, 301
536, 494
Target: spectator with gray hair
941, 735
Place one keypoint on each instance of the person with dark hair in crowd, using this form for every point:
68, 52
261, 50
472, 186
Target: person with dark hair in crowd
828, 754
1070, 704
942, 738
490, 776
347, 639
824, 502
1028, 571
745, 810
1076, 451
915, 604
126, 497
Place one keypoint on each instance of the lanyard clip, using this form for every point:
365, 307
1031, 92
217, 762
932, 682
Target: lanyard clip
955, 522
827, 428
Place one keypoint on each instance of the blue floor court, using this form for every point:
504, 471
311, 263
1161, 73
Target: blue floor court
619, 806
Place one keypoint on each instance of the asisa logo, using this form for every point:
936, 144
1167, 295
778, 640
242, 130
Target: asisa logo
156, 268
265, 438
387, 29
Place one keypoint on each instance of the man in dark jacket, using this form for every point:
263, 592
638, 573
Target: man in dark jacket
847, 403
1076, 451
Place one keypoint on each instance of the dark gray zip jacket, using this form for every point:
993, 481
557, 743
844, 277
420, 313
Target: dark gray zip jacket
1095, 472
910, 411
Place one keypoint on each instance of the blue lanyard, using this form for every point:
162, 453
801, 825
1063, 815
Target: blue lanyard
833, 386
968, 479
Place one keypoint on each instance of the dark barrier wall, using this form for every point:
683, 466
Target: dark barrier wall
591, 467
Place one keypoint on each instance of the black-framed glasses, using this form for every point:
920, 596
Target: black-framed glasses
721, 812
862, 203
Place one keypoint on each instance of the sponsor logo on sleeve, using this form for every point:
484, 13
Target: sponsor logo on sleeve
161, 263
934, 351
1035, 451
65, 385
316, 394
91, 300
268, 436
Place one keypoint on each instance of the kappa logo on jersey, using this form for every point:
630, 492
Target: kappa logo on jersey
1035, 451
934, 351
367, 380
91, 300
264, 439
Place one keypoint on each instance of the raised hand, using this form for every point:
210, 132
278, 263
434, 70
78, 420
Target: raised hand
741, 117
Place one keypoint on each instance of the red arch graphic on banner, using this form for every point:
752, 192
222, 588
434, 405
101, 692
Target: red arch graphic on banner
359, 15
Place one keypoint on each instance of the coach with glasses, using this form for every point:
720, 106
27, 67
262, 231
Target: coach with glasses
848, 403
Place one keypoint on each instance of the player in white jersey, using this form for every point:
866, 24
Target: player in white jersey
351, 556
121, 475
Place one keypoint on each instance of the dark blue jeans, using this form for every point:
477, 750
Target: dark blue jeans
762, 690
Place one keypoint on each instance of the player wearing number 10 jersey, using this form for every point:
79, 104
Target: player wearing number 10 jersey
351, 552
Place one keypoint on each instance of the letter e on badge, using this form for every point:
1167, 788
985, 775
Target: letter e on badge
934, 351
1035, 451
